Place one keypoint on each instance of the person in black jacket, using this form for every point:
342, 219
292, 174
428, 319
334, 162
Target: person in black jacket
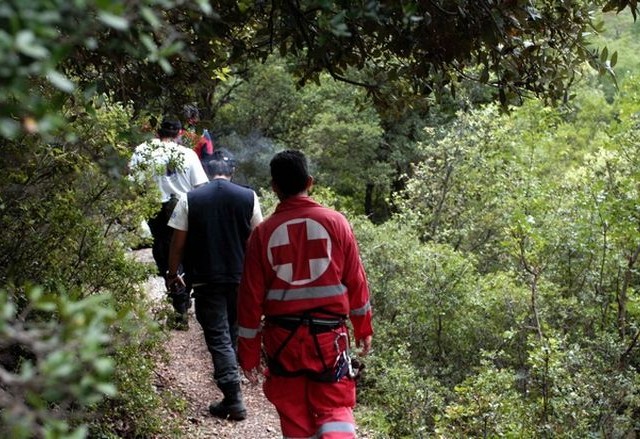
212, 225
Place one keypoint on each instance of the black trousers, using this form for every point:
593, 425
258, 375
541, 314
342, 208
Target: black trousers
162, 233
216, 312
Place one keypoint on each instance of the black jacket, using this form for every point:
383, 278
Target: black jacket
219, 225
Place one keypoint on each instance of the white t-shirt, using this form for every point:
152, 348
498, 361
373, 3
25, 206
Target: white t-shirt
175, 168
180, 217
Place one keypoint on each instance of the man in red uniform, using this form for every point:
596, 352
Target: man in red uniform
303, 273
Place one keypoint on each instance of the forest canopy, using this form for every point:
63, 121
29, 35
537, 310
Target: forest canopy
397, 49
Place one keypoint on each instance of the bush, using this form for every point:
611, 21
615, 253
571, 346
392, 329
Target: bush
57, 363
69, 218
400, 402
486, 405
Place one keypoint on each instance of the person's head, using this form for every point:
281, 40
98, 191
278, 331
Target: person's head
191, 114
221, 164
169, 128
290, 174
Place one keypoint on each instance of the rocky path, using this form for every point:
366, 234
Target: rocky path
188, 373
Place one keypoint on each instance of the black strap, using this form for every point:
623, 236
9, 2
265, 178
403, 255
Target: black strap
277, 369
316, 326
284, 343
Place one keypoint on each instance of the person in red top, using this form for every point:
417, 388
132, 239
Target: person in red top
302, 279
202, 145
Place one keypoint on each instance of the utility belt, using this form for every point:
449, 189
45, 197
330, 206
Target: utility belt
332, 371
316, 325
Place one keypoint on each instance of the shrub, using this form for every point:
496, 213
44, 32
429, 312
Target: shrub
57, 362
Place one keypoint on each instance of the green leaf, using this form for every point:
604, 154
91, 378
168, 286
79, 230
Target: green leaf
47, 306
244, 5
62, 370
205, 6
107, 389
103, 365
7, 308
35, 294
27, 44
60, 81
150, 16
165, 65
114, 21
79, 433
9, 128
149, 43
171, 49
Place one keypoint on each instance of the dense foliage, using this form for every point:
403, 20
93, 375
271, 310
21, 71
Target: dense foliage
162, 53
513, 306
67, 218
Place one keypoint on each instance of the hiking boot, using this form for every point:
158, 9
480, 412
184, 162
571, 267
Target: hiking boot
224, 410
231, 407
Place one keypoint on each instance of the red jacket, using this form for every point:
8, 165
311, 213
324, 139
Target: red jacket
303, 257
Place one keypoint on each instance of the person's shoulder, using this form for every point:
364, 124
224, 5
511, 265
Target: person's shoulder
246, 186
156, 146
244, 191
174, 145
199, 191
243, 187
322, 209
185, 149
177, 148
144, 146
269, 223
146, 150
202, 188
190, 153
333, 215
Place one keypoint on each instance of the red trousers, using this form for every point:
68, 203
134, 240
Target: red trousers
308, 408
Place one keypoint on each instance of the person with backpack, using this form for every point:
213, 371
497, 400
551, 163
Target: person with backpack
176, 170
202, 145
302, 280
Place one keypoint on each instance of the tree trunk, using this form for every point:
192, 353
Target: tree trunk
622, 294
368, 199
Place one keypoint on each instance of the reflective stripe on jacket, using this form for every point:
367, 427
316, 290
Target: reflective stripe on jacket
303, 257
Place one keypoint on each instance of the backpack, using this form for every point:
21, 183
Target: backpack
204, 148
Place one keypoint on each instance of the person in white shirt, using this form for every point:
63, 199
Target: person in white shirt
176, 170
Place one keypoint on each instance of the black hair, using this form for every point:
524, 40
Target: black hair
221, 162
289, 172
169, 128
190, 112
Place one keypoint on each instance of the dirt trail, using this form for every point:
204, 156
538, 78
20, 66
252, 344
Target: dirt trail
188, 372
